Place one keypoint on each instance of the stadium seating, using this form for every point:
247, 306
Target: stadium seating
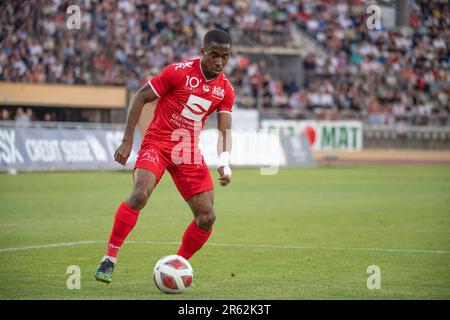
382, 77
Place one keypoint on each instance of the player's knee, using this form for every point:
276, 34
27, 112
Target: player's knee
138, 199
206, 219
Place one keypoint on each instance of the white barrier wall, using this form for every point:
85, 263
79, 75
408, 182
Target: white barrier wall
28, 149
24, 148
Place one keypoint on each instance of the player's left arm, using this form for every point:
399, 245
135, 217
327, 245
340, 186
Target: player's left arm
224, 144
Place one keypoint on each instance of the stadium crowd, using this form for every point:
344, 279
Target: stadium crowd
25, 116
388, 75
381, 76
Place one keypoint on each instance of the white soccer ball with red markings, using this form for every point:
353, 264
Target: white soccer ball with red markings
173, 274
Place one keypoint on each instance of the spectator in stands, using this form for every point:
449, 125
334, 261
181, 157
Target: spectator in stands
21, 116
30, 114
5, 115
385, 61
47, 117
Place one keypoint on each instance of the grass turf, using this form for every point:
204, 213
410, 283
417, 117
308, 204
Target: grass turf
300, 234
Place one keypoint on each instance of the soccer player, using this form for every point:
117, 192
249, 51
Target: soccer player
188, 93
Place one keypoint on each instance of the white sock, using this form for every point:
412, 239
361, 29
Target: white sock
112, 259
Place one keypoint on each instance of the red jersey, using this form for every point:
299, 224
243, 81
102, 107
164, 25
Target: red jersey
186, 99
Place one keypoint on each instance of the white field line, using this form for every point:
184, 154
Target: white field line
54, 245
232, 245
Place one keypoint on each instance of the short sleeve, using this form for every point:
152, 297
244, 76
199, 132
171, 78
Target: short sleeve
165, 81
228, 101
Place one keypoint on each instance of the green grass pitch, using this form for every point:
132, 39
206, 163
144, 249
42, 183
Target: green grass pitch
300, 234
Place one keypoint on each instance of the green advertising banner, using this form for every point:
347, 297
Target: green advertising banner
323, 135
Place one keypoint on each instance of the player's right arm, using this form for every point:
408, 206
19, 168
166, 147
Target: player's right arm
144, 95
155, 88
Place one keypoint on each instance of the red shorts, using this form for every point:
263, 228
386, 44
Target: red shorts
190, 177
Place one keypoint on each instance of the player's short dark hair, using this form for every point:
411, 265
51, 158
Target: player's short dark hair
217, 36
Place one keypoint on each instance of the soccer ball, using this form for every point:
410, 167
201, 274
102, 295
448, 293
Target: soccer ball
173, 274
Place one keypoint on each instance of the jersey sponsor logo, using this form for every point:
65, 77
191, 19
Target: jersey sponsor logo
183, 65
218, 92
195, 108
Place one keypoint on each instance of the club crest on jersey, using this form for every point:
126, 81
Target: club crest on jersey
218, 92
206, 88
182, 65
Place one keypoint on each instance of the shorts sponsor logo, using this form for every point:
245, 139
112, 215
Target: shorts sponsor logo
150, 155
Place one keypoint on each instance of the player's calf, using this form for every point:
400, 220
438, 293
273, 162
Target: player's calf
144, 183
203, 210
198, 232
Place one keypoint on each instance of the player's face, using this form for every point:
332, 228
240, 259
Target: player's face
215, 58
